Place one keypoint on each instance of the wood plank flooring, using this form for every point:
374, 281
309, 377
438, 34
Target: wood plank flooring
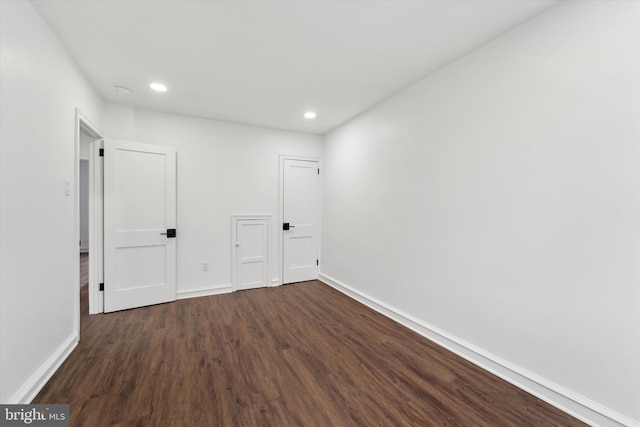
295, 355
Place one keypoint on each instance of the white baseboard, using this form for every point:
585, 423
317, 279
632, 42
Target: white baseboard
203, 292
564, 399
34, 384
275, 282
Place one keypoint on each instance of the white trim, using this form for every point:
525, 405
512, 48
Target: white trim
96, 261
562, 398
234, 239
203, 292
284, 157
275, 282
82, 124
34, 384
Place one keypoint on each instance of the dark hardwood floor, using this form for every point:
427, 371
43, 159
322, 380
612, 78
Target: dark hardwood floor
295, 355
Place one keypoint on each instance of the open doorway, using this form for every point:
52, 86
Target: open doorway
83, 212
86, 133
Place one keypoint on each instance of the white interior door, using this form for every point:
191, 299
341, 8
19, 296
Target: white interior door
139, 214
252, 248
300, 216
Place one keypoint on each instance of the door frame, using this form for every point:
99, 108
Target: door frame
284, 157
234, 238
96, 228
86, 125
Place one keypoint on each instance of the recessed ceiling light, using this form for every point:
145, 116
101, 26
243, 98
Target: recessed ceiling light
122, 89
310, 115
158, 87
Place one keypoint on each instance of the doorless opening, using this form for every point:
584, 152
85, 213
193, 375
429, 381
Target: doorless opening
85, 133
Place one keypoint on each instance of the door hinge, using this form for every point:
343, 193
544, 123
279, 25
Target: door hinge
102, 286
318, 171
317, 262
101, 152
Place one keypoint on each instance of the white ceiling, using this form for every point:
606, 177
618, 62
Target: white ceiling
267, 62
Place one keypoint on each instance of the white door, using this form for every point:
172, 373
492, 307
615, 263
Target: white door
252, 246
300, 216
139, 221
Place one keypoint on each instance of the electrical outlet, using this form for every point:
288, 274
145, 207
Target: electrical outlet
205, 266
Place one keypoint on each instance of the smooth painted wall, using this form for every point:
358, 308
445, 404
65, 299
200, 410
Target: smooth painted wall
498, 200
41, 88
83, 184
84, 206
85, 142
223, 169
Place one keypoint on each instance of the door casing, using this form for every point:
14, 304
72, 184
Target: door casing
82, 124
96, 227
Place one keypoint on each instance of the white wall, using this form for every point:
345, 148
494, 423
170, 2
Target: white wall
498, 201
40, 87
84, 205
83, 185
85, 142
223, 169
118, 120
